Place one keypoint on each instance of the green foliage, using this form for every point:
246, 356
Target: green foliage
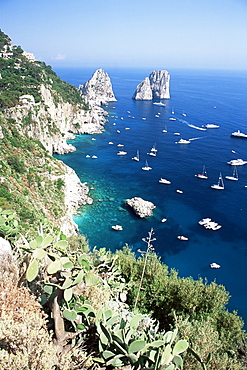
8, 223
125, 338
16, 164
163, 292
59, 183
22, 77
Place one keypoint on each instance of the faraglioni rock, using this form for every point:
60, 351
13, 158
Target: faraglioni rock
143, 208
156, 86
98, 89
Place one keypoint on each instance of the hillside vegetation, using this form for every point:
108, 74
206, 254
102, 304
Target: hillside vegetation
19, 77
63, 306
30, 179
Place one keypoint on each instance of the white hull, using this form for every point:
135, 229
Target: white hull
218, 187
164, 181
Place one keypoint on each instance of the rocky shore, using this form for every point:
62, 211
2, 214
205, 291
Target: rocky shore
53, 121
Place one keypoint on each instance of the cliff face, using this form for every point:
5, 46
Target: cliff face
98, 90
49, 111
52, 123
75, 195
156, 86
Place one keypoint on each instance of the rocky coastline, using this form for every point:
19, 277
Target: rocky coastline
53, 123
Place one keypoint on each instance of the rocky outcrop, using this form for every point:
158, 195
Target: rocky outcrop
52, 122
5, 248
156, 86
143, 208
98, 90
75, 195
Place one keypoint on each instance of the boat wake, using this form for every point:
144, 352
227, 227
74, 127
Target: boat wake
196, 127
183, 121
195, 138
190, 125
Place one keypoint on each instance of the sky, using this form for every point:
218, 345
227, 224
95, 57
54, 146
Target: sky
160, 34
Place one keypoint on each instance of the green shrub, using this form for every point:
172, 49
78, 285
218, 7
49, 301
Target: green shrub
16, 164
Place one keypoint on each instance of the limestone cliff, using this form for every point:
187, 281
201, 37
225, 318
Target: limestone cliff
39, 112
52, 122
75, 195
156, 86
98, 90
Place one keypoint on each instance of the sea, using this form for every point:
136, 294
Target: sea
198, 98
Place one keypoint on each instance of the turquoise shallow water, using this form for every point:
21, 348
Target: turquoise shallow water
205, 97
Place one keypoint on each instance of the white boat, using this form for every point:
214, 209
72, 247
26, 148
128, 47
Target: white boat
164, 220
165, 129
153, 154
173, 111
214, 265
234, 176
182, 237
118, 131
204, 221
110, 142
220, 185
183, 141
117, 227
146, 167
121, 152
172, 119
211, 125
177, 133
94, 156
239, 134
237, 162
164, 181
153, 149
119, 145
202, 175
137, 157
197, 127
179, 191
160, 103
184, 114
209, 224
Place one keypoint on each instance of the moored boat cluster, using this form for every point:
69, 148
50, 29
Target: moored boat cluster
209, 224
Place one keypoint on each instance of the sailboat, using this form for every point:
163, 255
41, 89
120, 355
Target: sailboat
146, 167
153, 149
202, 175
220, 185
234, 176
137, 157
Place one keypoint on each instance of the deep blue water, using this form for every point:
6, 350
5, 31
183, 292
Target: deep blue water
206, 97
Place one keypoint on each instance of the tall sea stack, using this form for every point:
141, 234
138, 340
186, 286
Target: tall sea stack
98, 89
156, 86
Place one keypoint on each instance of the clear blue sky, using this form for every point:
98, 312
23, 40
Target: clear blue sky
130, 33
